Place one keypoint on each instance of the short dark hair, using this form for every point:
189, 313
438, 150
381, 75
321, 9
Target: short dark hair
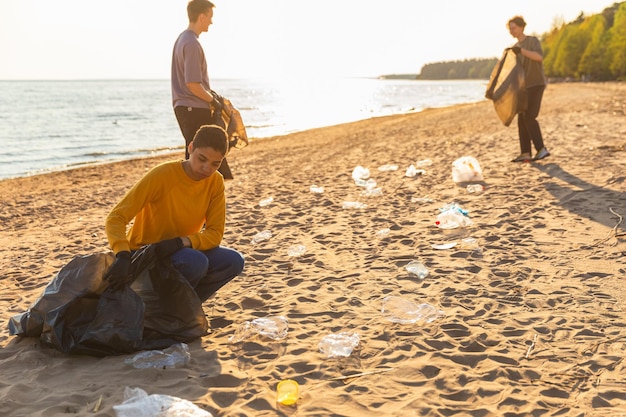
518, 20
211, 136
196, 7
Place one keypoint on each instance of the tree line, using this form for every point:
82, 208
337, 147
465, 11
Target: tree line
591, 48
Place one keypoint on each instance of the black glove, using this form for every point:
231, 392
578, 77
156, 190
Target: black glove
516, 50
118, 274
216, 103
166, 248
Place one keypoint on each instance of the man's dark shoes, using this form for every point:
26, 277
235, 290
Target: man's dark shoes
543, 153
522, 158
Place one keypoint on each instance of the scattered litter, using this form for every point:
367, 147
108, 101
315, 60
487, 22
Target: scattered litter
137, 403
388, 167
287, 392
273, 327
175, 356
411, 171
418, 269
403, 311
296, 250
315, 189
372, 192
360, 173
424, 163
452, 216
382, 233
339, 344
421, 200
442, 246
466, 169
261, 236
469, 243
266, 201
474, 188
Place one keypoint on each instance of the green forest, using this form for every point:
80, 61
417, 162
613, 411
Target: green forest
591, 48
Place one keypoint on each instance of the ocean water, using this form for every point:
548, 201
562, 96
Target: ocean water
54, 125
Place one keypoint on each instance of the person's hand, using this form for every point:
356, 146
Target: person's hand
216, 103
166, 248
118, 274
516, 50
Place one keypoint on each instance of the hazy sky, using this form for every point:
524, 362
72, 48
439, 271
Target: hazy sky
82, 39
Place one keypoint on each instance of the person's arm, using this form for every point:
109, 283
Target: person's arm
532, 55
123, 212
199, 91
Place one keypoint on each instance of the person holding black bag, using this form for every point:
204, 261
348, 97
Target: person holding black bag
529, 48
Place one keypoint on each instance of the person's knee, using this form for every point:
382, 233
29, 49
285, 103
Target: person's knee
238, 262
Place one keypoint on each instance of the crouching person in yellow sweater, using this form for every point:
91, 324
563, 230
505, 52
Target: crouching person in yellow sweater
180, 207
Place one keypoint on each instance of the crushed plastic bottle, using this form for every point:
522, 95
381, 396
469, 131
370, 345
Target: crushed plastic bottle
296, 250
273, 327
262, 236
339, 344
403, 311
266, 201
474, 188
175, 356
418, 269
316, 190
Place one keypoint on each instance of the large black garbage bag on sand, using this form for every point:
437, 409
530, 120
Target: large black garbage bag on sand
78, 314
507, 87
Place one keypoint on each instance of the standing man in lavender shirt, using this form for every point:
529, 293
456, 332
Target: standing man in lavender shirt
194, 102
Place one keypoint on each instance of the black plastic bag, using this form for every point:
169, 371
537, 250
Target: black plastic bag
78, 314
507, 87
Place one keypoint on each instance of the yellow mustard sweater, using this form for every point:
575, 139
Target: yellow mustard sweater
165, 204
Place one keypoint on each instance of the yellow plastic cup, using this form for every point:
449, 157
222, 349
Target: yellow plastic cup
288, 392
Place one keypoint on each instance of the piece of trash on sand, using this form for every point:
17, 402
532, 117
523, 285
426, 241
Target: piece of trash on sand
417, 268
266, 201
296, 250
388, 167
273, 327
442, 246
261, 236
175, 356
339, 344
137, 403
404, 311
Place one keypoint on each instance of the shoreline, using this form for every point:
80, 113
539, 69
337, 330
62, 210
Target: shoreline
533, 320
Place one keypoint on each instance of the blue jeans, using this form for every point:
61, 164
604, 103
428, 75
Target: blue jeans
208, 271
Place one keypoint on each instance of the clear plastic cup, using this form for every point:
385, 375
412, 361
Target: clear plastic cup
287, 392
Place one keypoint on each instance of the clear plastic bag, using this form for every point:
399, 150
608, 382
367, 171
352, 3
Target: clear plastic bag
466, 169
137, 403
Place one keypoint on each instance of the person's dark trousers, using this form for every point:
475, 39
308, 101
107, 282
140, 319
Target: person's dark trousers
527, 124
189, 120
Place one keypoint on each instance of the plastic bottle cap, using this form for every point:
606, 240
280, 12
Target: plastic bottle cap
288, 392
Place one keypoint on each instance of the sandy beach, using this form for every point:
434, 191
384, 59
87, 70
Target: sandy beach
533, 311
